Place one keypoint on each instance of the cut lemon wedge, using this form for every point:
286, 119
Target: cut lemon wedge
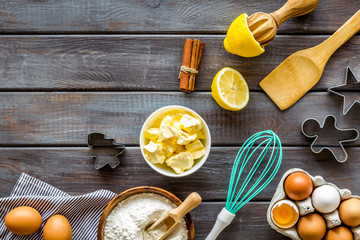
239, 39
230, 90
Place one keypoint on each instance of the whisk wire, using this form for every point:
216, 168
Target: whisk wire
251, 174
247, 146
235, 167
265, 172
234, 203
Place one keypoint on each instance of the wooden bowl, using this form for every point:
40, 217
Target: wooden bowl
144, 189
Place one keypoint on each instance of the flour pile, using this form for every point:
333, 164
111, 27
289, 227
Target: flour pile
128, 220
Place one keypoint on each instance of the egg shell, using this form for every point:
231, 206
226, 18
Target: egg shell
298, 186
305, 206
311, 227
293, 206
349, 212
57, 228
339, 233
325, 198
23, 220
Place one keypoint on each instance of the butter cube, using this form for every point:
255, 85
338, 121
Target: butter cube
167, 120
194, 146
200, 135
166, 128
180, 148
168, 132
176, 120
184, 138
190, 124
169, 147
180, 162
196, 149
154, 153
172, 120
152, 134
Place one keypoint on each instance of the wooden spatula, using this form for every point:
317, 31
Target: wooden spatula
297, 74
264, 26
173, 217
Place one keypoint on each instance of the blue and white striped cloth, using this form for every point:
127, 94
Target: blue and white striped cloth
83, 212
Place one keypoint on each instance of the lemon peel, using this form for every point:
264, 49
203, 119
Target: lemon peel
239, 39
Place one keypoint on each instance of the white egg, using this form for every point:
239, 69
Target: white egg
325, 199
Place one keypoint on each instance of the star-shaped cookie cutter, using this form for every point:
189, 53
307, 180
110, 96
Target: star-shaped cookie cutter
329, 132
98, 142
351, 83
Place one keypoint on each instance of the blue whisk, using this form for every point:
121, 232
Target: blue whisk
239, 195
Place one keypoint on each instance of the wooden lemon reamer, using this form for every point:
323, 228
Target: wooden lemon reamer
264, 26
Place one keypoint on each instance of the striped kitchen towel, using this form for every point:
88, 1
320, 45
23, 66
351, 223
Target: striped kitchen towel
83, 212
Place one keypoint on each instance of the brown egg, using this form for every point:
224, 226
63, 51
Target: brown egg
298, 186
349, 212
57, 228
311, 227
339, 233
23, 220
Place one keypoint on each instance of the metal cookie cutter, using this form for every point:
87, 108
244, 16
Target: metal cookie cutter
328, 136
351, 84
100, 150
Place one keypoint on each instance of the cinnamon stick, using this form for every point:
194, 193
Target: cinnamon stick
184, 77
194, 56
193, 50
201, 50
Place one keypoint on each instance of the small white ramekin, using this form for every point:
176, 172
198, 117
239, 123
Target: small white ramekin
149, 122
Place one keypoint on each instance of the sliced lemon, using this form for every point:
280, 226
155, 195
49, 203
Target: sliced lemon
230, 90
239, 39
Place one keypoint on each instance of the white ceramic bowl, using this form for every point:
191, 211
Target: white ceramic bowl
161, 113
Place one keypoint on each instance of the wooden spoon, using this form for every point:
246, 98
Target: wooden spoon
173, 217
302, 70
264, 26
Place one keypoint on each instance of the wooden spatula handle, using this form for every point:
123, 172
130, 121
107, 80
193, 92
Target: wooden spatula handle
344, 33
293, 8
191, 202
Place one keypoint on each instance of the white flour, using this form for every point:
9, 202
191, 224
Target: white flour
128, 220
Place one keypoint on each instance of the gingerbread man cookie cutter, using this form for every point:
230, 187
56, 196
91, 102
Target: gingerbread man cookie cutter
328, 136
100, 147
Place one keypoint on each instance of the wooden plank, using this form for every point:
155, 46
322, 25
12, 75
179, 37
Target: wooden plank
28, 118
140, 62
72, 170
159, 16
250, 222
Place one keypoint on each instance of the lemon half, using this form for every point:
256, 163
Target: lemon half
239, 39
230, 90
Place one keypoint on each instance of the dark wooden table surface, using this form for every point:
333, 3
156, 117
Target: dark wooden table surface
68, 68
